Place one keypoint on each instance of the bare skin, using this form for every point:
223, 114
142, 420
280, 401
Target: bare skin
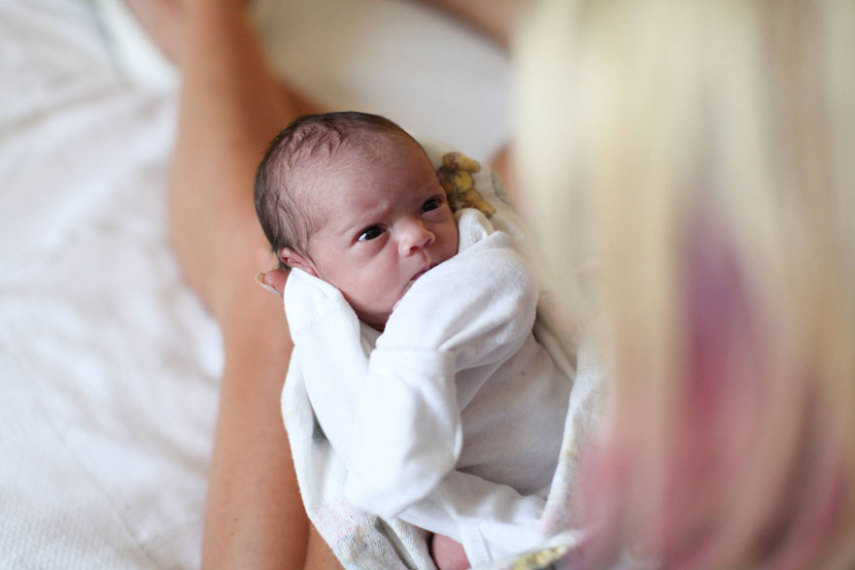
164, 21
494, 19
254, 515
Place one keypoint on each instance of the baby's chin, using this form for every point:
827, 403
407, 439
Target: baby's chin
375, 320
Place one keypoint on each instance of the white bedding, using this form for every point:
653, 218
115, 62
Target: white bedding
108, 364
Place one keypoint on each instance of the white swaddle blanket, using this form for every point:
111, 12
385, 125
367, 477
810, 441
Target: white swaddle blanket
380, 432
453, 420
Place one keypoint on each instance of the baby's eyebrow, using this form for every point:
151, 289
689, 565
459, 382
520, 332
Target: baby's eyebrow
350, 226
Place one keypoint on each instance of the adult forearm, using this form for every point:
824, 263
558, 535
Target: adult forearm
493, 18
230, 107
254, 516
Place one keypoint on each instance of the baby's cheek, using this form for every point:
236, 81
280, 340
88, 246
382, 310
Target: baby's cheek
453, 240
380, 288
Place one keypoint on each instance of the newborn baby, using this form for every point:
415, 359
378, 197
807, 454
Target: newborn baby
412, 327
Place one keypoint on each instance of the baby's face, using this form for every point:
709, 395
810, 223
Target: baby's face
383, 221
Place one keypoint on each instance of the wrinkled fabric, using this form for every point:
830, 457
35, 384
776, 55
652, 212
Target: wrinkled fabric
379, 426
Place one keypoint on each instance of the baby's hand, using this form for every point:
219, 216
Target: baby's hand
273, 280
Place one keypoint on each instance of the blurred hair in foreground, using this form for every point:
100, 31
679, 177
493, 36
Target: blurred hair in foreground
704, 152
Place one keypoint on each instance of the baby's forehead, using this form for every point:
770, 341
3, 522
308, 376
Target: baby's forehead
374, 150
352, 159
325, 183
311, 176
319, 180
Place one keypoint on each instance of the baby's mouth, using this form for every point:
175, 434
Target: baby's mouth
423, 271
413, 280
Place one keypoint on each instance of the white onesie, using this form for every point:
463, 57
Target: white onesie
452, 418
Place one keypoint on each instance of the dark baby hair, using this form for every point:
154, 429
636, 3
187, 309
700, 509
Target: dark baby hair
308, 138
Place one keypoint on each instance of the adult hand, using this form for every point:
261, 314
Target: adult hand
273, 280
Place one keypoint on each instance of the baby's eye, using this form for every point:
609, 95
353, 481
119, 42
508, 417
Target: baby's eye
431, 204
371, 232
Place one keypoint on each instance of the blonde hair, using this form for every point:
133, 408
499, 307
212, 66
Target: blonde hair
703, 152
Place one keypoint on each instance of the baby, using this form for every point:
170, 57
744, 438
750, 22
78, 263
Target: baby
412, 327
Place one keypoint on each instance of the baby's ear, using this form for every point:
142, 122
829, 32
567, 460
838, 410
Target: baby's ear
293, 258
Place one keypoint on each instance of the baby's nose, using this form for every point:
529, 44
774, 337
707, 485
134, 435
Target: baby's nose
414, 236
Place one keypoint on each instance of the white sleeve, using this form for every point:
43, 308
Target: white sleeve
479, 305
475, 309
333, 361
406, 435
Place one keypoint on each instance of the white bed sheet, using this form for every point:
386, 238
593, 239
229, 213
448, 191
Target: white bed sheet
108, 364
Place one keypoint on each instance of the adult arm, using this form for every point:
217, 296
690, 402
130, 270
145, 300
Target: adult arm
493, 18
254, 516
